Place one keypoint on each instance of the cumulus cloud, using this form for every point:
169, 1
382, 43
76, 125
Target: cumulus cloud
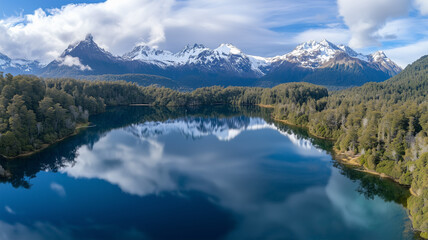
422, 5
365, 17
258, 27
73, 62
118, 25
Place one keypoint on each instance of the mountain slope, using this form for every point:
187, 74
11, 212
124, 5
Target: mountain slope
195, 65
18, 66
324, 63
84, 58
412, 74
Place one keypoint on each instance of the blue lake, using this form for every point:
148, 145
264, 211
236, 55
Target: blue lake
211, 173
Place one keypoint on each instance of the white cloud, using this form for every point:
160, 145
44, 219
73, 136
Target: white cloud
365, 17
422, 5
118, 25
59, 189
73, 61
407, 54
258, 27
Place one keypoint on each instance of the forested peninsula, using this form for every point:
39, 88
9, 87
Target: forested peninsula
384, 124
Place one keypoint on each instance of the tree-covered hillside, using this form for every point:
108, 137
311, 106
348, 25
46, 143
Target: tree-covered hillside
386, 124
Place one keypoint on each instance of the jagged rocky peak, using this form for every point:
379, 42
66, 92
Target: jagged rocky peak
378, 56
89, 38
316, 46
87, 49
86, 44
191, 51
228, 49
190, 47
384, 63
145, 52
311, 54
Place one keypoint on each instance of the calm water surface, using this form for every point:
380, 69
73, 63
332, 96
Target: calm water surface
212, 173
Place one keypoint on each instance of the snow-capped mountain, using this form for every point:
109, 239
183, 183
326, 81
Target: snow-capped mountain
225, 57
195, 65
151, 55
313, 54
87, 58
384, 63
18, 66
310, 54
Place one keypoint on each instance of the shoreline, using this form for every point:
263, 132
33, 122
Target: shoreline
302, 126
342, 157
140, 105
265, 106
79, 127
339, 156
352, 159
292, 124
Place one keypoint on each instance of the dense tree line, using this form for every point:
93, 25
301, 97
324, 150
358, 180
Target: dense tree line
386, 124
35, 112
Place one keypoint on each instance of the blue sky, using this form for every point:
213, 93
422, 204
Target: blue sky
42, 29
14, 7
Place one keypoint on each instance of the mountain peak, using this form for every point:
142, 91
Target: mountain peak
86, 51
384, 63
86, 44
312, 54
228, 49
89, 37
147, 53
313, 45
189, 48
379, 55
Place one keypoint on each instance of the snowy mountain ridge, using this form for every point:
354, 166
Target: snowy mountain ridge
311, 54
18, 65
322, 63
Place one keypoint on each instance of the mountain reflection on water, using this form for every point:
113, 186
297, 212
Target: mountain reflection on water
211, 173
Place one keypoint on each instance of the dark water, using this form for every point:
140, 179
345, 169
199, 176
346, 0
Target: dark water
212, 173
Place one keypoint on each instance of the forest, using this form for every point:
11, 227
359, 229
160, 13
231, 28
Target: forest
36, 112
384, 124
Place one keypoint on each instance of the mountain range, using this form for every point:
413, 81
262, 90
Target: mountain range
18, 66
195, 65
